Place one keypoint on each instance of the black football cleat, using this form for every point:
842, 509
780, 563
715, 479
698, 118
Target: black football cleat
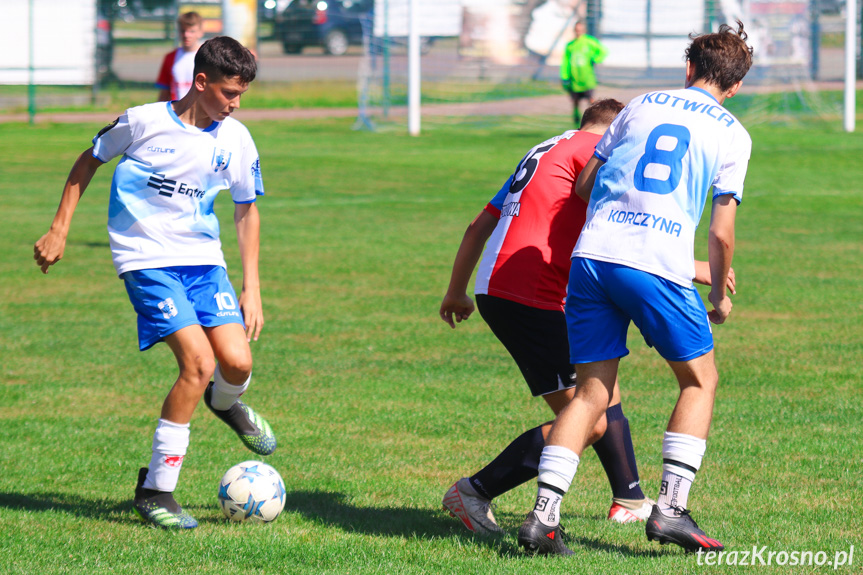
253, 430
159, 507
681, 531
541, 539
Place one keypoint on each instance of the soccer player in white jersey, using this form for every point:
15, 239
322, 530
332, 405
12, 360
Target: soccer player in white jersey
164, 236
529, 229
647, 185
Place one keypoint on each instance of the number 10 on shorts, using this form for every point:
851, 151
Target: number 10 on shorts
225, 301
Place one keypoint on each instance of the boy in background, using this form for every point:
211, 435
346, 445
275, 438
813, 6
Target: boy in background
176, 74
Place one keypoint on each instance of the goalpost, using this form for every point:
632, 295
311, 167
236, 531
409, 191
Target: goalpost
413, 69
497, 56
850, 67
397, 24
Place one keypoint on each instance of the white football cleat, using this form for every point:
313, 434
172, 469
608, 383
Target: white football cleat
630, 510
463, 502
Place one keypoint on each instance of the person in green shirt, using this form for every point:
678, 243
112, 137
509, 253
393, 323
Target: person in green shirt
576, 68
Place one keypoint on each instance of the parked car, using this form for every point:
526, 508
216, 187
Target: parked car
831, 6
333, 24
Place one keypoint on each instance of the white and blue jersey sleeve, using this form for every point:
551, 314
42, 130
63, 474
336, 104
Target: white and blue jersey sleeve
249, 183
732, 173
113, 140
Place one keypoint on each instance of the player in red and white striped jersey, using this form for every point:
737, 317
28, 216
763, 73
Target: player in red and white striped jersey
529, 229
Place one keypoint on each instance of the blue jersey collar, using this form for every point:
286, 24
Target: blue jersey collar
703, 91
177, 119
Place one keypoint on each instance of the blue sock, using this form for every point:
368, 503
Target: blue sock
618, 457
515, 465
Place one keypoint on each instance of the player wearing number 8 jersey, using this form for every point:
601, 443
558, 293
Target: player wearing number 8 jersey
529, 229
647, 184
661, 156
176, 157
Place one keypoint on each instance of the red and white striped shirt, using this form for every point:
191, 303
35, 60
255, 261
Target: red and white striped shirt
177, 73
527, 257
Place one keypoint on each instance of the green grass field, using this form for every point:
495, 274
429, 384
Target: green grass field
379, 406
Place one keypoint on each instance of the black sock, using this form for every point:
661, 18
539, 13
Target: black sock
617, 456
515, 465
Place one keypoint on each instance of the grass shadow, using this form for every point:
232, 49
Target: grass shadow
574, 541
99, 245
335, 509
329, 509
604, 546
70, 504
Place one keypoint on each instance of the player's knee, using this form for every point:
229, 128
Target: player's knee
713, 382
598, 430
708, 380
199, 370
206, 368
703, 386
236, 368
235, 358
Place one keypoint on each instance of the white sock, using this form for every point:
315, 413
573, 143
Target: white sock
673, 494
681, 458
557, 467
224, 393
547, 506
170, 442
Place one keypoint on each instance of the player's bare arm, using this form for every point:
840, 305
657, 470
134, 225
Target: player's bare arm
50, 247
702, 276
248, 223
584, 184
720, 249
457, 305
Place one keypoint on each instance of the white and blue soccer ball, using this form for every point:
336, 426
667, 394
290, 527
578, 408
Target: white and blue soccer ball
252, 491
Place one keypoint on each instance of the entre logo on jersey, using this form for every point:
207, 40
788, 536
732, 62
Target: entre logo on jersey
168, 187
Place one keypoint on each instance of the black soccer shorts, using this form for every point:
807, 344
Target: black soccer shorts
535, 338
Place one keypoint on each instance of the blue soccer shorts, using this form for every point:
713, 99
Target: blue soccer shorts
169, 299
603, 298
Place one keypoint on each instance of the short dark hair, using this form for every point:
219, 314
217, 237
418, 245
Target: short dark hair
721, 58
224, 57
601, 112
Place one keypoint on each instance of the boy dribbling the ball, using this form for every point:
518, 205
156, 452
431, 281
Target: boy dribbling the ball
164, 236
